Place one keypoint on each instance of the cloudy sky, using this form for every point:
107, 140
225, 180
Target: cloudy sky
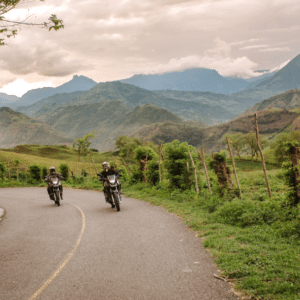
114, 39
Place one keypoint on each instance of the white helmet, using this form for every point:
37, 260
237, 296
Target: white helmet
105, 165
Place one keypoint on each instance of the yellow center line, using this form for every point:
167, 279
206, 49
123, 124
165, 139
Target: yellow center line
65, 262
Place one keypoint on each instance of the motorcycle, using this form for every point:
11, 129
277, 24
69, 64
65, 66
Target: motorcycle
55, 183
114, 197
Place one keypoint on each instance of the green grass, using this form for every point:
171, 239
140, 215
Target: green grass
255, 241
257, 258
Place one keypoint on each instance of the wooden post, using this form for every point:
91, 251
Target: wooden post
83, 167
90, 171
262, 156
159, 168
113, 160
233, 166
205, 169
126, 166
94, 165
188, 173
195, 172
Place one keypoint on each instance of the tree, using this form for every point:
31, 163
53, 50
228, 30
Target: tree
250, 142
237, 142
278, 147
176, 160
8, 28
82, 145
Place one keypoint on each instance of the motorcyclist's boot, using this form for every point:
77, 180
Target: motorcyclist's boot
106, 198
61, 196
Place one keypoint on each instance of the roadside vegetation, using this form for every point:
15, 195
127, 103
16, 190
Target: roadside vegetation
254, 238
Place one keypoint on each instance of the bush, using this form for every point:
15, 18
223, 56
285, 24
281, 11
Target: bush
153, 172
35, 173
176, 158
44, 172
64, 171
136, 177
247, 213
2, 170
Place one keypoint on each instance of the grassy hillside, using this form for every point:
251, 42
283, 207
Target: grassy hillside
16, 128
287, 100
271, 122
44, 155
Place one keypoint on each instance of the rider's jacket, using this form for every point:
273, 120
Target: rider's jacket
51, 175
104, 174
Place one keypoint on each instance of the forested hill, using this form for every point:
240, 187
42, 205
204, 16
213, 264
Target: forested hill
16, 129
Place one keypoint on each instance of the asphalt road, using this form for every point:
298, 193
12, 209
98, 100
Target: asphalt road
86, 250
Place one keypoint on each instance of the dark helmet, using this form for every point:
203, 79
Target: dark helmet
52, 170
105, 165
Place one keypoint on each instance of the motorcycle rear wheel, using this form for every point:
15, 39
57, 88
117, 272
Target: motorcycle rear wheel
117, 201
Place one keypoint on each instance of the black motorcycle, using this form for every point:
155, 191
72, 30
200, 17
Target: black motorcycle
55, 183
111, 185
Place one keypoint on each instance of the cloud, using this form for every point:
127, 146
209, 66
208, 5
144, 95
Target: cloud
280, 66
44, 59
21, 86
217, 58
253, 47
106, 40
277, 49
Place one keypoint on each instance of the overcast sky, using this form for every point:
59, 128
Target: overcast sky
114, 39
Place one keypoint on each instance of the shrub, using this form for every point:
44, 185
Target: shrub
152, 173
2, 170
35, 172
176, 158
247, 213
44, 172
64, 171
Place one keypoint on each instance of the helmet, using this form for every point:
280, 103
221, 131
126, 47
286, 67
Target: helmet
52, 169
105, 165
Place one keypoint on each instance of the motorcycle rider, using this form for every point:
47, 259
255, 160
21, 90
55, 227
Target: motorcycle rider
107, 170
48, 181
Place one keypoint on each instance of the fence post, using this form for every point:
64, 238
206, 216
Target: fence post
234, 168
94, 165
262, 156
159, 168
188, 173
205, 169
126, 166
195, 172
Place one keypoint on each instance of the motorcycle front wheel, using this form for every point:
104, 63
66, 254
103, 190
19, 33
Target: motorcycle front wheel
57, 199
117, 200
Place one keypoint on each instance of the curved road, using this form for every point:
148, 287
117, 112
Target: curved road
85, 250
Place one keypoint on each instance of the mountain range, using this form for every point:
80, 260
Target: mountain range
118, 108
78, 83
197, 79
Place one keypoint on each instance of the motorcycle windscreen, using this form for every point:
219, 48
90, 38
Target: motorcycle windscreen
111, 178
54, 180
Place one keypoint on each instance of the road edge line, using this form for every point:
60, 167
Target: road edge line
39, 291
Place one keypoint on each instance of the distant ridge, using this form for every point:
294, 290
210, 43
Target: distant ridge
78, 83
197, 79
287, 100
7, 99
